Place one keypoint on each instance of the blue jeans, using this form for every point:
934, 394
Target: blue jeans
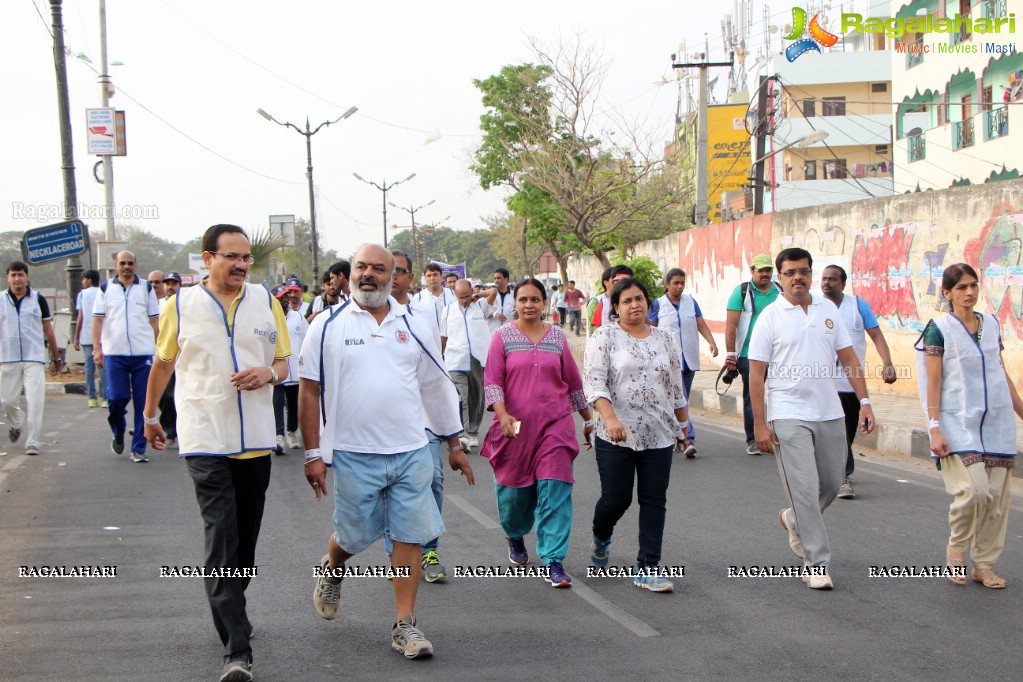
128, 376
742, 364
438, 492
575, 322
90, 375
619, 467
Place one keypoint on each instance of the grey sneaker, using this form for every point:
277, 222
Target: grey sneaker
292, 441
752, 449
14, 434
327, 594
433, 569
818, 582
409, 640
31, 448
795, 544
690, 451
139, 457
237, 668
845, 491
600, 552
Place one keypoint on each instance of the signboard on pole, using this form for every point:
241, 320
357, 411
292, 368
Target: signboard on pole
53, 242
283, 225
100, 128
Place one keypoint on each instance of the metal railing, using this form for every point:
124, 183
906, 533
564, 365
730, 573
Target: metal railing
917, 147
994, 9
996, 123
962, 134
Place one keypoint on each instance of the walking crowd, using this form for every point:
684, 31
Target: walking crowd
230, 372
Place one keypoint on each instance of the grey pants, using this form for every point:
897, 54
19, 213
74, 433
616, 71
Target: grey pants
811, 461
470, 394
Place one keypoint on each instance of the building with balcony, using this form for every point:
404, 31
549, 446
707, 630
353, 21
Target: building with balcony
958, 95
844, 91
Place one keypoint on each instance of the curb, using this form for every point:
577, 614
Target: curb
57, 387
902, 441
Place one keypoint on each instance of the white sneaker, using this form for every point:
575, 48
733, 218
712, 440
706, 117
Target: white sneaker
845, 491
31, 448
327, 594
795, 544
292, 441
280, 445
473, 441
818, 582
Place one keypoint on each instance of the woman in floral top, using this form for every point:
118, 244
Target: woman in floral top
533, 385
633, 377
969, 400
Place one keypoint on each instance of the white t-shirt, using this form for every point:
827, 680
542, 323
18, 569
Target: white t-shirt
373, 379
446, 298
85, 303
505, 306
126, 329
800, 351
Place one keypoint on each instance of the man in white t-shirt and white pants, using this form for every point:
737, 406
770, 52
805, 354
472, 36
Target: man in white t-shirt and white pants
794, 345
465, 341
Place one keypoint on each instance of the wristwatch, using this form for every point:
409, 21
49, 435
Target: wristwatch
273, 376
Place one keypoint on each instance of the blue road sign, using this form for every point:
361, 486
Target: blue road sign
53, 242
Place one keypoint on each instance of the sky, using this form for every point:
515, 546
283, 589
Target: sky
195, 72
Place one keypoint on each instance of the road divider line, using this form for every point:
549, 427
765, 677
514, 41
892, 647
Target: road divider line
623, 618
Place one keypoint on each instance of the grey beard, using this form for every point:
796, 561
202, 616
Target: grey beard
371, 299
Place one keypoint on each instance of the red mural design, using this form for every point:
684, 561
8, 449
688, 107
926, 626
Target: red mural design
881, 273
997, 255
706, 252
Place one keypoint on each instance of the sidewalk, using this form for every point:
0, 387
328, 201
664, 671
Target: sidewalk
900, 430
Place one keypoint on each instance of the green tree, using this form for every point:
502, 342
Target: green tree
646, 271
538, 131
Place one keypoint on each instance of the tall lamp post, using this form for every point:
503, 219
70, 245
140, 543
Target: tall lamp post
308, 134
383, 188
412, 212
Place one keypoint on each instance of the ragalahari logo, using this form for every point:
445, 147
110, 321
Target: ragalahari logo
818, 35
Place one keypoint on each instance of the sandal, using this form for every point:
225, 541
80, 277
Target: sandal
986, 577
956, 563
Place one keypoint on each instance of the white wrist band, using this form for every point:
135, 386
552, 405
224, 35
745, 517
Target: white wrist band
865, 401
152, 421
933, 424
587, 423
684, 425
313, 453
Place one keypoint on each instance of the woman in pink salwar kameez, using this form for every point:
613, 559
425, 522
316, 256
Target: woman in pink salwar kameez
533, 385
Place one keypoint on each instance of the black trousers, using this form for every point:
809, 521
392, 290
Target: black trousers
851, 407
650, 469
168, 412
289, 395
230, 493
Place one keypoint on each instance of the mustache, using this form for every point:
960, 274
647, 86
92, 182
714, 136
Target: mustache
369, 281
239, 271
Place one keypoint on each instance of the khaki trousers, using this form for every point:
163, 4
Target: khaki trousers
979, 511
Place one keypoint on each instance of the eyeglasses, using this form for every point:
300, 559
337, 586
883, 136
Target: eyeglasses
126, 262
401, 271
242, 257
805, 272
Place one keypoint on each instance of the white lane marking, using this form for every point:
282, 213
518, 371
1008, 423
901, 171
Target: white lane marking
627, 620
477, 515
903, 467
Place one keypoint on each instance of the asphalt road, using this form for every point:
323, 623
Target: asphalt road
79, 504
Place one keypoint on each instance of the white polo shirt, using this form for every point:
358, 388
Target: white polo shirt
86, 301
468, 334
424, 312
127, 310
800, 351
373, 379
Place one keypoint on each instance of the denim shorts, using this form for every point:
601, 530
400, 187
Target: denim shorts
377, 494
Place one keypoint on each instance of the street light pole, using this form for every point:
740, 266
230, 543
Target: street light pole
383, 188
74, 263
308, 134
412, 212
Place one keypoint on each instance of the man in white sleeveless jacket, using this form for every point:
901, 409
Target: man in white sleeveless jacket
679, 314
24, 322
227, 344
